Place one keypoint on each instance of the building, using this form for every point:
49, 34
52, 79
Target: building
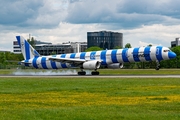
40, 42
79, 46
83, 46
175, 43
54, 49
105, 39
16, 48
46, 48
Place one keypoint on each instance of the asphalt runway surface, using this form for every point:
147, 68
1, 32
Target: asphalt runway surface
94, 76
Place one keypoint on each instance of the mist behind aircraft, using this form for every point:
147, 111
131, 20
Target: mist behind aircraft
21, 72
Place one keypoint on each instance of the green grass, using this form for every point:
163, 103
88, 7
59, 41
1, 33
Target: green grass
6, 71
87, 98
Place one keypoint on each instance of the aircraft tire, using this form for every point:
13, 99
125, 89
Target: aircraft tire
82, 73
94, 73
157, 68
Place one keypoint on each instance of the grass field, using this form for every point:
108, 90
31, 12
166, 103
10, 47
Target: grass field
89, 99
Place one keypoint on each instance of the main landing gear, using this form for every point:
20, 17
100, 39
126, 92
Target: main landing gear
84, 73
157, 65
94, 73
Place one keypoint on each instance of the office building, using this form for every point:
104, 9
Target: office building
175, 43
105, 39
79, 46
16, 48
54, 49
46, 48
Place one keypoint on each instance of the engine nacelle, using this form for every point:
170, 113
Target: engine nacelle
115, 65
91, 64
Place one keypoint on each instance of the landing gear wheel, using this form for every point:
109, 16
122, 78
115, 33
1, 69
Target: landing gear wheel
82, 73
157, 68
157, 65
94, 73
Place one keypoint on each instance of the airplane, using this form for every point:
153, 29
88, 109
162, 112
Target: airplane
93, 60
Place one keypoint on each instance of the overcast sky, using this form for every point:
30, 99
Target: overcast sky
142, 22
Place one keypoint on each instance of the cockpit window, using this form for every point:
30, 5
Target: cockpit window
166, 50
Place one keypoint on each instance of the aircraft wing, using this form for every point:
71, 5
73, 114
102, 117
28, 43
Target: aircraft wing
67, 60
75, 62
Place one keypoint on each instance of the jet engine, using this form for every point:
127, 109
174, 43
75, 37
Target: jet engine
94, 64
115, 65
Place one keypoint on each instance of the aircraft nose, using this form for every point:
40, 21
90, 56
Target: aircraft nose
171, 55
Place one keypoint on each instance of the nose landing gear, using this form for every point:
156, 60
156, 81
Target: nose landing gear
157, 65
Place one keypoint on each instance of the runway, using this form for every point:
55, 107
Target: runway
93, 76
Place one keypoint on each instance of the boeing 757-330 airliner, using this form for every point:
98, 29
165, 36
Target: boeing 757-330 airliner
93, 60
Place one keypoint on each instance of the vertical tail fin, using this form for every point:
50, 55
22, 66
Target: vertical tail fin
27, 50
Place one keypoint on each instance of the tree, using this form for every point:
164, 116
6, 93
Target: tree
173, 63
14, 58
176, 50
2, 58
176, 62
93, 48
53, 53
117, 47
149, 45
128, 45
32, 42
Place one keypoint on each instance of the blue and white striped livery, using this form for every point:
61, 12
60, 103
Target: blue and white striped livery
93, 60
